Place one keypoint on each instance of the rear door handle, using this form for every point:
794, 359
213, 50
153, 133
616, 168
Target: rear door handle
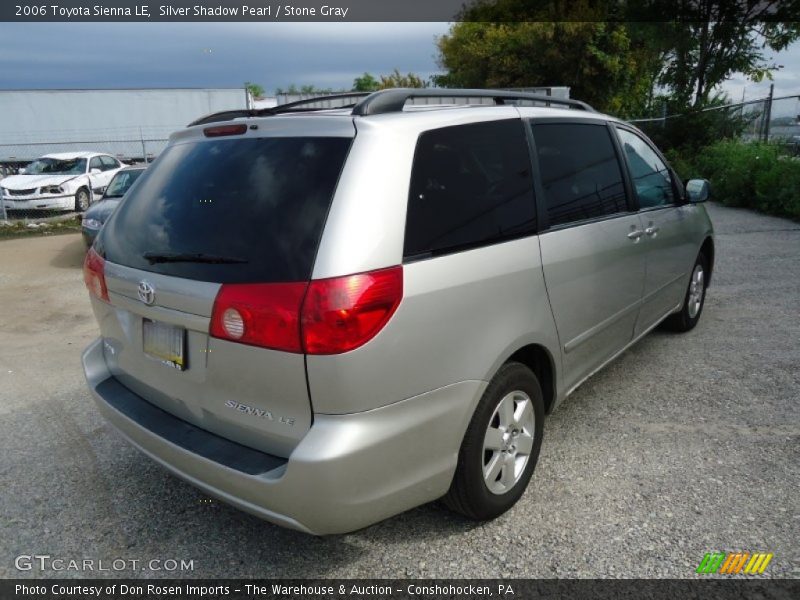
651, 230
635, 234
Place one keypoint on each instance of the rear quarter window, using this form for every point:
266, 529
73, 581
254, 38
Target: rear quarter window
261, 201
470, 186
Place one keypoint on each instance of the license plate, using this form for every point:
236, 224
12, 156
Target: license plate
165, 343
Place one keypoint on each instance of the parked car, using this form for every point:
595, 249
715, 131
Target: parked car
326, 318
98, 213
65, 181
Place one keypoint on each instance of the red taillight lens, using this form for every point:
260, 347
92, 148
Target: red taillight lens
220, 130
94, 275
326, 316
343, 313
259, 314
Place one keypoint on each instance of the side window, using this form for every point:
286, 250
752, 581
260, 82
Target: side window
580, 171
108, 163
95, 164
470, 185
651, 177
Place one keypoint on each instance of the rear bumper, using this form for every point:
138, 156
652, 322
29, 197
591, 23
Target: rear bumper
349, 471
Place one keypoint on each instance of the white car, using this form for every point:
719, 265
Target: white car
65, 181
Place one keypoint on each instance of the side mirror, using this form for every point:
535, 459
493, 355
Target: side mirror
95, 171
698, 190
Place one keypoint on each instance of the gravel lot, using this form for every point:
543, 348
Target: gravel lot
684, 445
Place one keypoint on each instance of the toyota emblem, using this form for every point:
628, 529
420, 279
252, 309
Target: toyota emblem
147, 293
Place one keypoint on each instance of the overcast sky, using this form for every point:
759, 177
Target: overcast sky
42, 55
88, 55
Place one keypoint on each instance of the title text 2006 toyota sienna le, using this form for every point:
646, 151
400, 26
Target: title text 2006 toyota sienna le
326, 317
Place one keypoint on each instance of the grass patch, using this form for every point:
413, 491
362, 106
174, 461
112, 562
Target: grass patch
35, 227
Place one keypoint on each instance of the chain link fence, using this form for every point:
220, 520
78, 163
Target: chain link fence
774, 119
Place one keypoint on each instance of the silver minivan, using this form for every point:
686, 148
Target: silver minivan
327, 316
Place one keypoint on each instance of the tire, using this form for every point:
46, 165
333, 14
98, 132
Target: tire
693, 301
82, 200
481, 497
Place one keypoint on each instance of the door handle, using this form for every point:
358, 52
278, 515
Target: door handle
651, 230
635, 235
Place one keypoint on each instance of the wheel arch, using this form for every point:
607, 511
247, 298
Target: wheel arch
707, 248
539, 360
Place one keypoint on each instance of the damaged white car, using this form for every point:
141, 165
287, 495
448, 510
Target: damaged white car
65, 181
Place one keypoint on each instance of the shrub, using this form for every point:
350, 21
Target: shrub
778, 188
733, 168
751, 175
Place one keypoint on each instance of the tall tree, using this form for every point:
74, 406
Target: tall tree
582, 44
617, 55
595, 59
712, 39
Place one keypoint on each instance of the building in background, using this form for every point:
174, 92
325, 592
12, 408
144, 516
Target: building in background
131, 124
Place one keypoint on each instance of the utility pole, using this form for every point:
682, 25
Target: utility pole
768, 112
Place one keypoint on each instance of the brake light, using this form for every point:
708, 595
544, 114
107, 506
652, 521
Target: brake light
343, 313
221, 130
259, 314
94, 275
326, 316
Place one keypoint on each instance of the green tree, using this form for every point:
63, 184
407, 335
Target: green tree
595, 59
398, 80
712, 39
582, 44
256, 90
365, 83
617, 56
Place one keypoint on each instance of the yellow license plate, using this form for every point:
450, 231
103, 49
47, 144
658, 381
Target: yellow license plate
165, 342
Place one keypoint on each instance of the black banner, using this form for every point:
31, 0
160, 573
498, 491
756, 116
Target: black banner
230, 10
382, 10
421, 589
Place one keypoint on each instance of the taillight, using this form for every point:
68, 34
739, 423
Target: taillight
259, 314
326, 316
94, 275
343, 313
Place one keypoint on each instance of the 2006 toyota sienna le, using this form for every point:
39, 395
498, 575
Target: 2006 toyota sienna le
326, 317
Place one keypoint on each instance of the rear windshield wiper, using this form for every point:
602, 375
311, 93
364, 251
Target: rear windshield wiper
154, 257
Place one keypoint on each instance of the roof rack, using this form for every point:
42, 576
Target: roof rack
393, 100
297, 106
386, 101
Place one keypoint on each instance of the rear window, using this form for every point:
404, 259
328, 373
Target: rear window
257, 205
